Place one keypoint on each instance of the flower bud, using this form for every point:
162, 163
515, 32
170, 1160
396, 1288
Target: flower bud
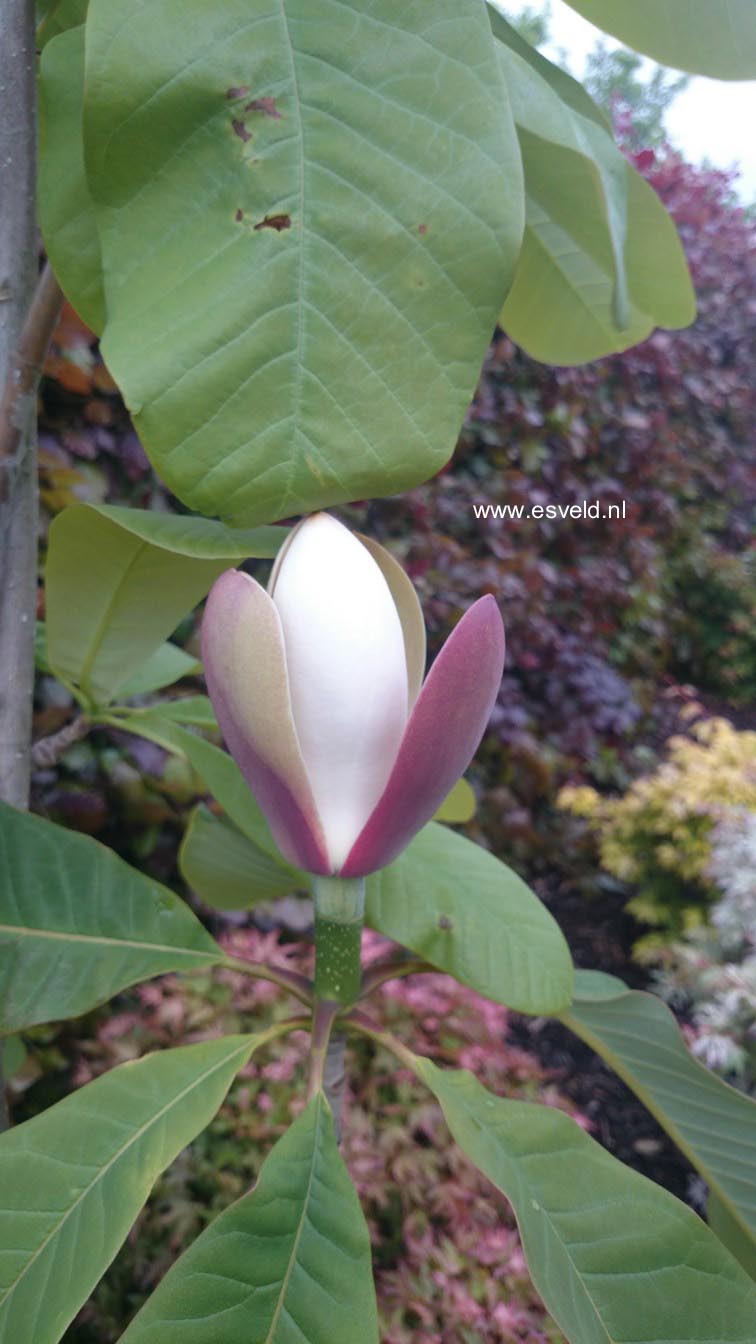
316, 685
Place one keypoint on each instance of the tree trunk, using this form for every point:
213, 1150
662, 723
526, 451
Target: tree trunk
18, 475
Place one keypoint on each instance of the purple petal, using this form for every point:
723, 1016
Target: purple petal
441, 738
245, 668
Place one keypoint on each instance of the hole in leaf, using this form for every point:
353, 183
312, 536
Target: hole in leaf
277, 222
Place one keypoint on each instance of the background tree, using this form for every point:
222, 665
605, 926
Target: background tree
635, 92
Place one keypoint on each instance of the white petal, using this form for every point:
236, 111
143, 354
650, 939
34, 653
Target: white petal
347, 672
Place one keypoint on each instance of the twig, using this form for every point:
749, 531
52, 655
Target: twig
47, 751
382, 971
25, 370
296, 984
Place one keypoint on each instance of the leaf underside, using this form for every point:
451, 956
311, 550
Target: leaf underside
335, 186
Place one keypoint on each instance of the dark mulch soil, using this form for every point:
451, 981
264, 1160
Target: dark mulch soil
601, 935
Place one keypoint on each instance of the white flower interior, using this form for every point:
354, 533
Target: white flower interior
347, 673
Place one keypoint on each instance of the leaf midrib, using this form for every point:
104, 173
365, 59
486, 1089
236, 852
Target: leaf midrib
269, 1338
27, 932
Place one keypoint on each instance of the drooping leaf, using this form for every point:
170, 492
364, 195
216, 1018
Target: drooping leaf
570, 90
228, 870
166, 665
601, 263
77, 924
714, 1124
73, 1179
308, 211
119, 580
465, 912
614, 1257
66, 211
706, 37
459, 807
573, 168
287, 1264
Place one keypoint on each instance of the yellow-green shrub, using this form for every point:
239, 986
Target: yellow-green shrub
656, 837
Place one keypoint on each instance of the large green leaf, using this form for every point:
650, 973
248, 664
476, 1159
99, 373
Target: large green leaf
614, 1257
119, 580
287, 1264
706, 37
713, 1124
465, 912
77, 924
310, 212
601, 263
74, 1178
66, 212
228, 870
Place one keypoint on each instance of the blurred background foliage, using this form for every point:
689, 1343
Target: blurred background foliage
622, 635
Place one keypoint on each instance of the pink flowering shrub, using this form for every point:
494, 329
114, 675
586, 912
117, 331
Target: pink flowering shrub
448, 1261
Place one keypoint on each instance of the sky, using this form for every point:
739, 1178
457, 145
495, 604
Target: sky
713, 119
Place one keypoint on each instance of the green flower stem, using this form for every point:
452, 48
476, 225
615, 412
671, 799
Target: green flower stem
339, 912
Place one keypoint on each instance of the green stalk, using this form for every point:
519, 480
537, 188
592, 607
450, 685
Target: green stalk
339, 911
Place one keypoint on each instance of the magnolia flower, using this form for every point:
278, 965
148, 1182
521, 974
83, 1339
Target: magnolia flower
318, 688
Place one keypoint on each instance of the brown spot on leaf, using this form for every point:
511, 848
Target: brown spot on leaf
239, 216
422, 228
445, 923
240, 92
240, 129
277, 222
266, 105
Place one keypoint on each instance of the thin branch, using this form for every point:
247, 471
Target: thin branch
367, 1027
25, 370
47, 751
296, 984
299, 1023
382, 971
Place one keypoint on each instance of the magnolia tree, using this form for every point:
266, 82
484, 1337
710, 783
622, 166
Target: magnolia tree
294, 225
